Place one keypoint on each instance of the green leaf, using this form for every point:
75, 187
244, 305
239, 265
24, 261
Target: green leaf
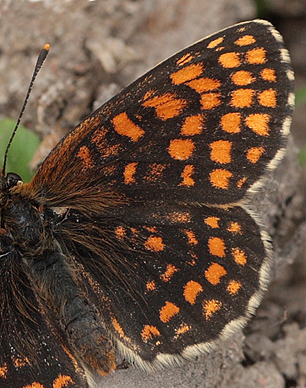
302, 156
21, 151
300, 96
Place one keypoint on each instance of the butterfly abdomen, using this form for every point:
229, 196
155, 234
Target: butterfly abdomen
80, 325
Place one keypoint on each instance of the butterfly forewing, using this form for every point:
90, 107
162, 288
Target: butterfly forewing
143, 199
200, 127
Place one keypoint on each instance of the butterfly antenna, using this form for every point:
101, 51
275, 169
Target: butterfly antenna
40, 60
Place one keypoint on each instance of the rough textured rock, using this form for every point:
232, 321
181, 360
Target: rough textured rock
96, 49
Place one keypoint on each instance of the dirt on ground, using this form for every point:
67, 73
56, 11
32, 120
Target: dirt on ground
97, 48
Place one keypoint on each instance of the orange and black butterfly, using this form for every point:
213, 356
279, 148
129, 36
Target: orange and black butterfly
134, 234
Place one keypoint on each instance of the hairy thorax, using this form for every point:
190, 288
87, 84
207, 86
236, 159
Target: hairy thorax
28, 246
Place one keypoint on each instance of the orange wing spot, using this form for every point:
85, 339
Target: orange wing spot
230, 60
215, 42
151, 286
239, 256
256, 56
268, 98
210, 307
19, 362
168, 311
216, 246
149, 94
191, 262
134, 231
103, 146
220, 178
185, 59
120, 232
234, 227
193, 125
192, 240
213, 222
3, 371
242, 98
214, 273
109, 150
170, 271
258, 122
167, 106
181, 149
154, 244
221, 151
151, 229
210, 100
62, 381
85, 155
34, 385
125, 126
268, 75
149, 332
187, 73
72, 358
241, 182
184, 328
254, 154
201, 85
242, 78
109, 170
191, 291
119, 329
230, 122
129, 173
177, 217
192, 254
245, 40
187, 176
233, 287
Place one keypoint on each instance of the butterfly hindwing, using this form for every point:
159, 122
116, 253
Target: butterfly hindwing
192, 275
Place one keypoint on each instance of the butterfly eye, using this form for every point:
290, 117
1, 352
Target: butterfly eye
13, 179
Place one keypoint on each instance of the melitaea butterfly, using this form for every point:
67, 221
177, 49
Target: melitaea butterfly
134, 233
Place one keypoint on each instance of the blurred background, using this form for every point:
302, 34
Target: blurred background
97, 48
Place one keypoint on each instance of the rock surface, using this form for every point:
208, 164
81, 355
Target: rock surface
96, 49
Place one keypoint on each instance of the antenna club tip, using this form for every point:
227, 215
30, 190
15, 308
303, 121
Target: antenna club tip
46, 47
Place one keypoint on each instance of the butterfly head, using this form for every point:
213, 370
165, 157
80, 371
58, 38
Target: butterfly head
7, 182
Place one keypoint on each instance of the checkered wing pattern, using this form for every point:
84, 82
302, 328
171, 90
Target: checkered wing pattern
146, 200
200, 127
189, 275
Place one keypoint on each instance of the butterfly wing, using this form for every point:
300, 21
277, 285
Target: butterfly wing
188, 276
30, 353
200, 127
152, 180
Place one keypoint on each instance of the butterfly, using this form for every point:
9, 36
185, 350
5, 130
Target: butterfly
135, 234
